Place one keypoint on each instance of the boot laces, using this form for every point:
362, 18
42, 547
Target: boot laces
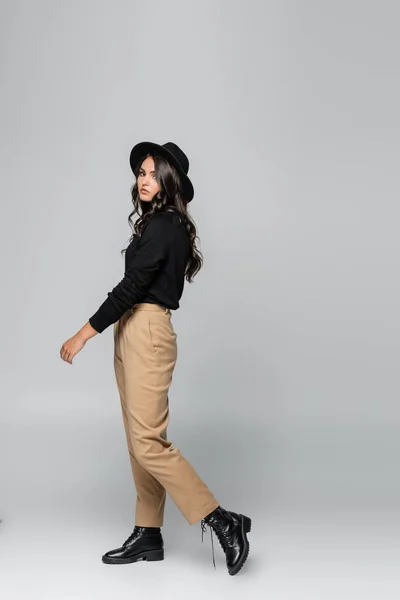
222, 534
203, 530
131, 537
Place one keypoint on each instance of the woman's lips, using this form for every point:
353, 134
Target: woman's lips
144, 191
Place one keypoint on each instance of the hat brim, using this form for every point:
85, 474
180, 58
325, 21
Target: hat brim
143, 148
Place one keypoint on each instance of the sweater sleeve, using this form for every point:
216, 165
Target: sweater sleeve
144, 264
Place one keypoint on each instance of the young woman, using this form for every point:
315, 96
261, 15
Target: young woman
160, 254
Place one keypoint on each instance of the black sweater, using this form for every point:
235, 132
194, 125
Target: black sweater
155, 265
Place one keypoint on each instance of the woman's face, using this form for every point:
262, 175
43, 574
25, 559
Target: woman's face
146, 180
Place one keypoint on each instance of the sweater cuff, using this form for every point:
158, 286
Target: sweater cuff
97, 323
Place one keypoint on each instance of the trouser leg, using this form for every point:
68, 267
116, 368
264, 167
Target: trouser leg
149, 353
150, 494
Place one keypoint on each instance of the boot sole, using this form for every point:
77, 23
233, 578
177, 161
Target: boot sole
148, 555
246, 528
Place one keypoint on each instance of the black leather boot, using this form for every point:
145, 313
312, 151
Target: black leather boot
144, 543
231, 529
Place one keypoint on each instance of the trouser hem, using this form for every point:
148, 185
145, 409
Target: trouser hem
197, 515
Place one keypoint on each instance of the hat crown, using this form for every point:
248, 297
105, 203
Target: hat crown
179, 155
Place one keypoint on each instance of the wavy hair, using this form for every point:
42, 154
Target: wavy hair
169, 198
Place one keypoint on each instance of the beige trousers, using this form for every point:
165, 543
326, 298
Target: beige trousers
145, 353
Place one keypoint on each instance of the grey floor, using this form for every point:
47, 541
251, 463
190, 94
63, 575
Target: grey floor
294, 554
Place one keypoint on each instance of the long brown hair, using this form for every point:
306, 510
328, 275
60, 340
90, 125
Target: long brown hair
169, 198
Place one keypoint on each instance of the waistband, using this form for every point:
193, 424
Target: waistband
150, 306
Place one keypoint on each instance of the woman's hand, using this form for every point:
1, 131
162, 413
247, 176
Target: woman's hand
75, 344
71, 347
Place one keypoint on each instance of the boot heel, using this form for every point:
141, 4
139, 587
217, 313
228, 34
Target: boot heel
154, 555
247, 524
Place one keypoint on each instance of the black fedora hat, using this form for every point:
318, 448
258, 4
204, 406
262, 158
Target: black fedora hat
171, 152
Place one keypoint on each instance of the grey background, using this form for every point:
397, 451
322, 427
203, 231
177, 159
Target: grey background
285, 393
